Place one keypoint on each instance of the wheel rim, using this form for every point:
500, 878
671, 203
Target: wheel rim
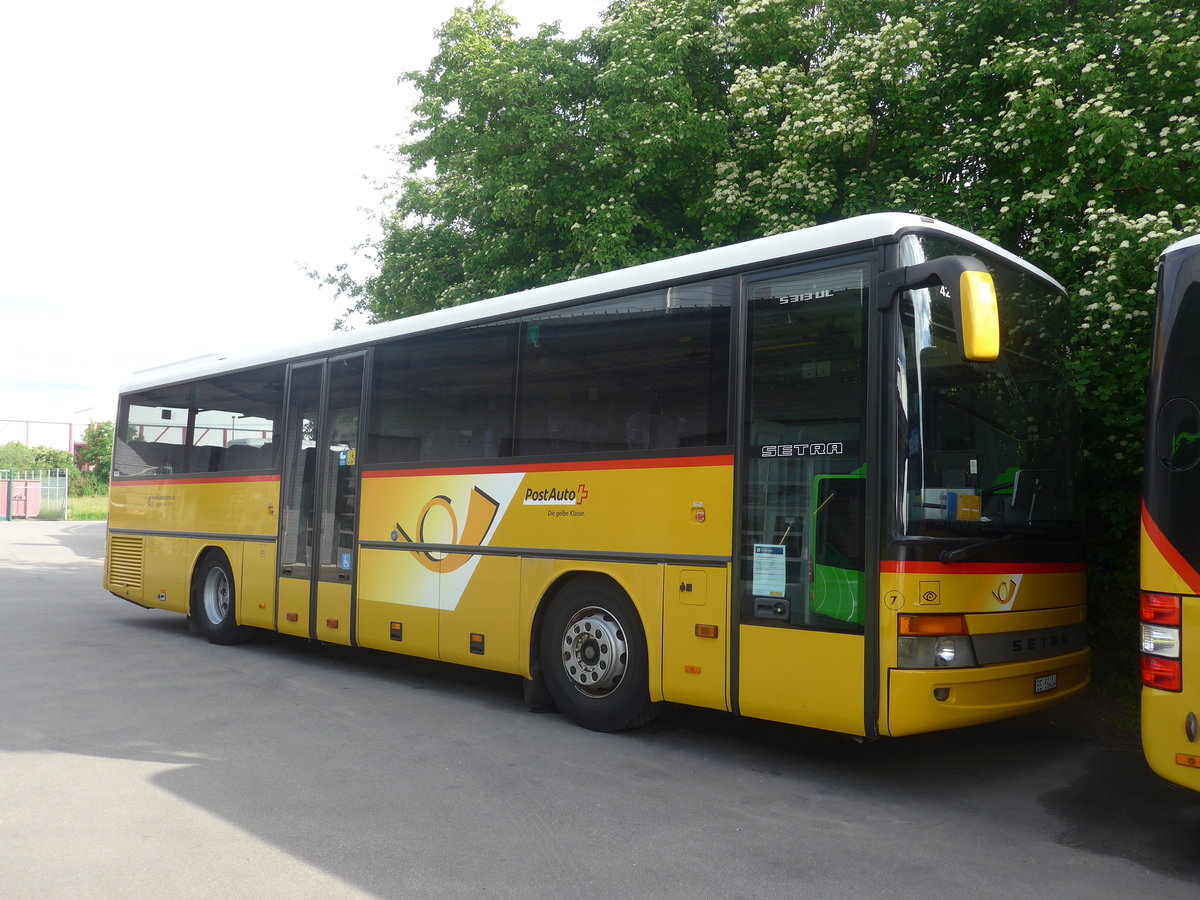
594, 651
216, 596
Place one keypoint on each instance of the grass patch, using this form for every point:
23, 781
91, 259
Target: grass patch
87, 509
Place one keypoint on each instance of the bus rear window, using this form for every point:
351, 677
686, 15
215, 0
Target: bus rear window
222, 424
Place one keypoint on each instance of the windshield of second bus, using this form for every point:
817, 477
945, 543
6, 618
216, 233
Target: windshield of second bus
987, 448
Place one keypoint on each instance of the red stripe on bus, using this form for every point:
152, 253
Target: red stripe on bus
895, 567
678, 462
232, 479
1173, 557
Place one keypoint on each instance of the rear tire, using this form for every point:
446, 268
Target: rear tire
214, 601
594, 658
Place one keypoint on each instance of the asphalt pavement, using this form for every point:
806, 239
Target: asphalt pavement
139, 761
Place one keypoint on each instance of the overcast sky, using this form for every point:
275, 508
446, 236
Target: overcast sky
168, 170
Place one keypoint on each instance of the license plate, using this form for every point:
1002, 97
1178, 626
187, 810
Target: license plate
1045, 683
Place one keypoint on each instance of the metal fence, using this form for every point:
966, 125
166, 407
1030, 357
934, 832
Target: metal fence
33, 494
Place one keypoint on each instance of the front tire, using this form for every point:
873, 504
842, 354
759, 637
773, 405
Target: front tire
214, 601
594, 659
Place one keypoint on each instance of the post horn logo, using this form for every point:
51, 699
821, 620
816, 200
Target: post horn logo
1006, 592
481, 512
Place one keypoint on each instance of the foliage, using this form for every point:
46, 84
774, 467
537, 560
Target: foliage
1067, 132
95, 459
536, 159
86, 484
84, 508
16, 457
95, 453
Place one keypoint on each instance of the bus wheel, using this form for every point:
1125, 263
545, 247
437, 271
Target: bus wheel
213, 601
594, 657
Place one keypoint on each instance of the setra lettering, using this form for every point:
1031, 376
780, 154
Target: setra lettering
1041, 642
771, 451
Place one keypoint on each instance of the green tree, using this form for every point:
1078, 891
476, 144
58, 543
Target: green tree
1066, 132
95, 453
535, 159
17, 457
49, 458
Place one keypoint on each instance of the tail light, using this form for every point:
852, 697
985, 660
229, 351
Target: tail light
1162, 620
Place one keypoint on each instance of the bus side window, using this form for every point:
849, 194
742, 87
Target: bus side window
647, 371
443, 396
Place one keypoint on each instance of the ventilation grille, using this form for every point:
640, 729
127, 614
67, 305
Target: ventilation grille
125, 560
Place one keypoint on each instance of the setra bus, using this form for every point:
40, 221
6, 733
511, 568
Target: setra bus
1170, 536
825, 478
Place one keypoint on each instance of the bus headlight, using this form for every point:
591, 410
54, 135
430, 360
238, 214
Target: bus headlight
934, 642
935, 652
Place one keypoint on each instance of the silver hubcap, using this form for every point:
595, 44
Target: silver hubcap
216, 596
594, 652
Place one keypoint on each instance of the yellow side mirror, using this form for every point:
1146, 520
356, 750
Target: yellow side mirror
968, 285
980, 317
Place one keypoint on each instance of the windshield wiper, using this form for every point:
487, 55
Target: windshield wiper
961, 553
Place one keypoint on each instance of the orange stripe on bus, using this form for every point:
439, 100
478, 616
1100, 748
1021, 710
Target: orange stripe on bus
1173, 557
679, 462
896, 567
233, 479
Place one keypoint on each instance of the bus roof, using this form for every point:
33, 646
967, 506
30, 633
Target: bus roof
873, 229
1185, 244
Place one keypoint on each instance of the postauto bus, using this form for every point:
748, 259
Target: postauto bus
825, 478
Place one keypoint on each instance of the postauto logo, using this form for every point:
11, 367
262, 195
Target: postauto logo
481, 512
555, 496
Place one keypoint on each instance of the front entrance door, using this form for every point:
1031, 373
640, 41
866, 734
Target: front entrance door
801, 570
317, 548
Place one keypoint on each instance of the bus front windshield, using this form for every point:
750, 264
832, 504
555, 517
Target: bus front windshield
985, 448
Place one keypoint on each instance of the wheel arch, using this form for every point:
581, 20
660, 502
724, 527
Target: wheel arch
199, 555
231, 553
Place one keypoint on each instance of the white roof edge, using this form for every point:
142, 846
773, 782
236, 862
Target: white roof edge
860, 229
1187, 242
191, 361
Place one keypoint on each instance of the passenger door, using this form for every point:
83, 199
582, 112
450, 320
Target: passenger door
318, 525
802, 525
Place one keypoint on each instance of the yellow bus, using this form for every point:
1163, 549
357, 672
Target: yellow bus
825, 478
1170, 537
